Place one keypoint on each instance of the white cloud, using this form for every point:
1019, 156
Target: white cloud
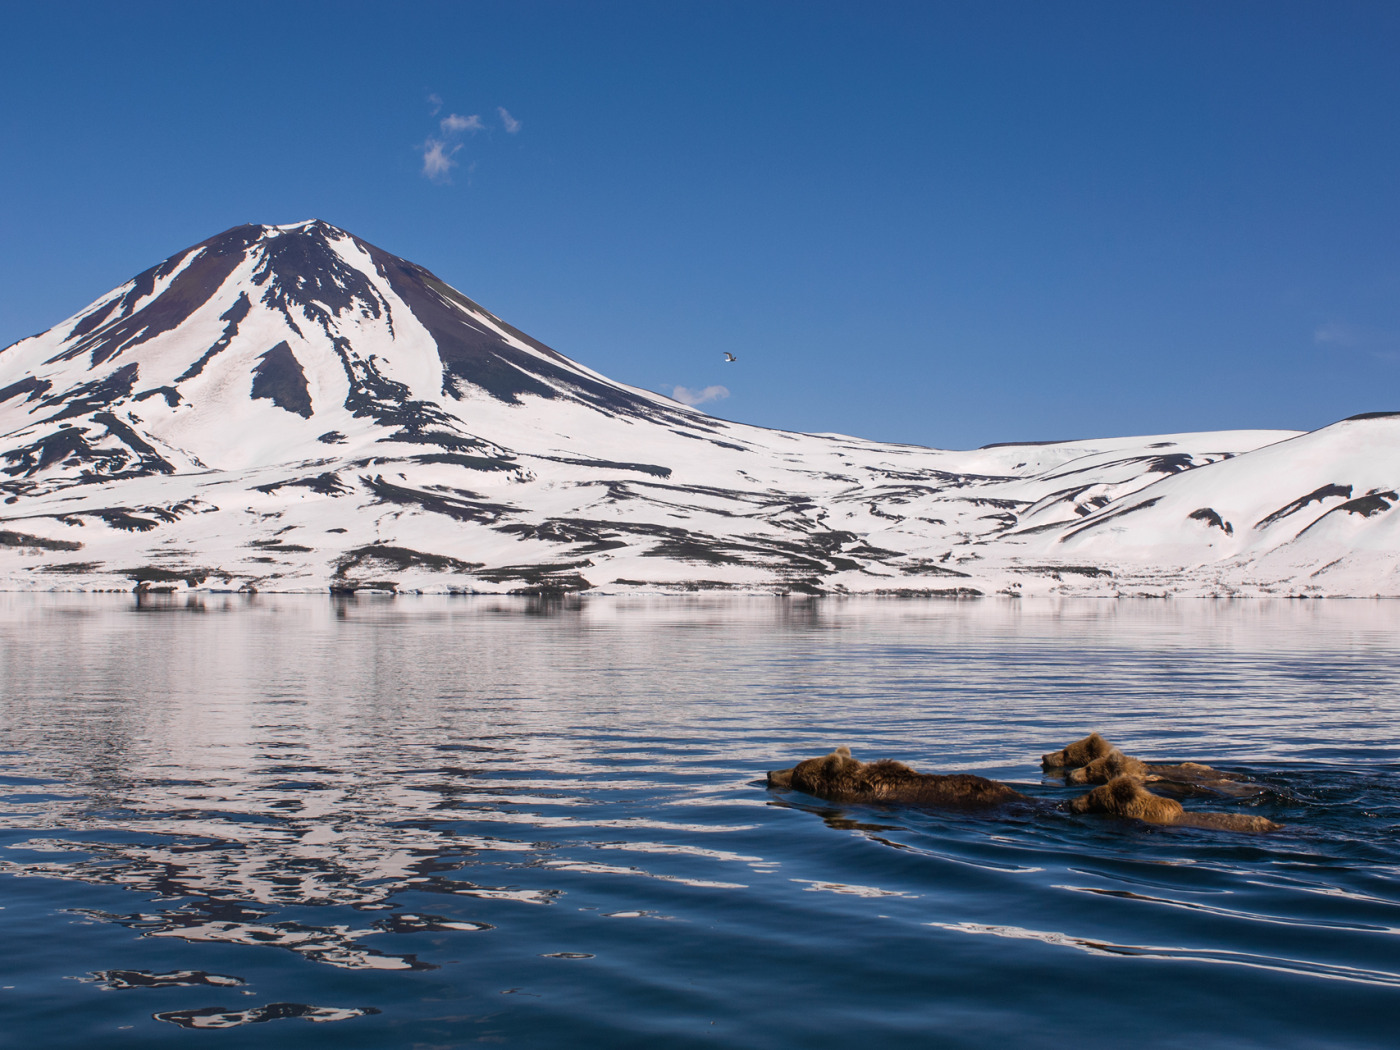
1337, 334
686, 396
455, 124
437, 159
439, 150
1381, 344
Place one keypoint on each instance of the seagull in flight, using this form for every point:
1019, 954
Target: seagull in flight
729, 358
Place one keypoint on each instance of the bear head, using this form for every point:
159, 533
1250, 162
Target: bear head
829, 776
1079, 753
1125, 797
1102, 770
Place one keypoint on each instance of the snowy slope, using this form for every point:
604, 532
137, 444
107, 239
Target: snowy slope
291, 408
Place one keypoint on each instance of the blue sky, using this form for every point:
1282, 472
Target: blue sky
946, 224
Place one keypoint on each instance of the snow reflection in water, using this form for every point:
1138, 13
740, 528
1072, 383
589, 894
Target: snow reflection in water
431, 803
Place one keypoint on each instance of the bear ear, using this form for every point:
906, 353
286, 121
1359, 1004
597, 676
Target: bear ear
843, 751
1125, 788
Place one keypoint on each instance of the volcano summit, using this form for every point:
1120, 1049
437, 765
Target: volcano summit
291, 408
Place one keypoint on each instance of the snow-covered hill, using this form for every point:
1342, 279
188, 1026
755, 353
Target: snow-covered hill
291, 408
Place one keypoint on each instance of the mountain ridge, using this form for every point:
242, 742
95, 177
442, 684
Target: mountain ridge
292, 408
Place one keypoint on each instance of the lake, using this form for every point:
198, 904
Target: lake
435, 822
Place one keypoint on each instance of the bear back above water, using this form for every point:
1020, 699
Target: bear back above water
838, 777
1124, 796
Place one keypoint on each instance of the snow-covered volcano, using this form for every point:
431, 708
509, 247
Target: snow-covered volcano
291, 408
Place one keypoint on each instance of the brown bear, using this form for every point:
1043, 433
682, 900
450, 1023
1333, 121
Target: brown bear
838, 777
1079, 753
1102, 770
1094, 760
1124, 796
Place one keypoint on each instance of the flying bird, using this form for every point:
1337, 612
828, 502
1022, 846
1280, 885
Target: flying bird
729, 358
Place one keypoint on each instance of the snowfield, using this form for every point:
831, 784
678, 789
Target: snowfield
289, 408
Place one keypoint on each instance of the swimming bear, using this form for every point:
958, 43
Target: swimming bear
1125, 796
838, 777
1094, 760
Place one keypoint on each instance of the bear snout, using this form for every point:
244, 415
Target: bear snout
780, 778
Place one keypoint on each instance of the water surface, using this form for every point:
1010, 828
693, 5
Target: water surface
436, 822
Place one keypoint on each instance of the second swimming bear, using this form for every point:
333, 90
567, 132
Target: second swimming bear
1093, 760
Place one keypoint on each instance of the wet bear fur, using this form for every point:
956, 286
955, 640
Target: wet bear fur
1094, 760
1079, 753
1124, 796
838, 777
1114, 764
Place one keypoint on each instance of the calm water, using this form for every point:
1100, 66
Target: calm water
434, 822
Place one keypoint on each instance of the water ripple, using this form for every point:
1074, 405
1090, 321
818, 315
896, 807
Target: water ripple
429, 817
1223, 957
1228, 913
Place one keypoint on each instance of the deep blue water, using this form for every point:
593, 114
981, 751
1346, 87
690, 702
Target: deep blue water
435, 822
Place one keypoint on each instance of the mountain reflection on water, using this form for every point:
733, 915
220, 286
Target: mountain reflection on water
450, 820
